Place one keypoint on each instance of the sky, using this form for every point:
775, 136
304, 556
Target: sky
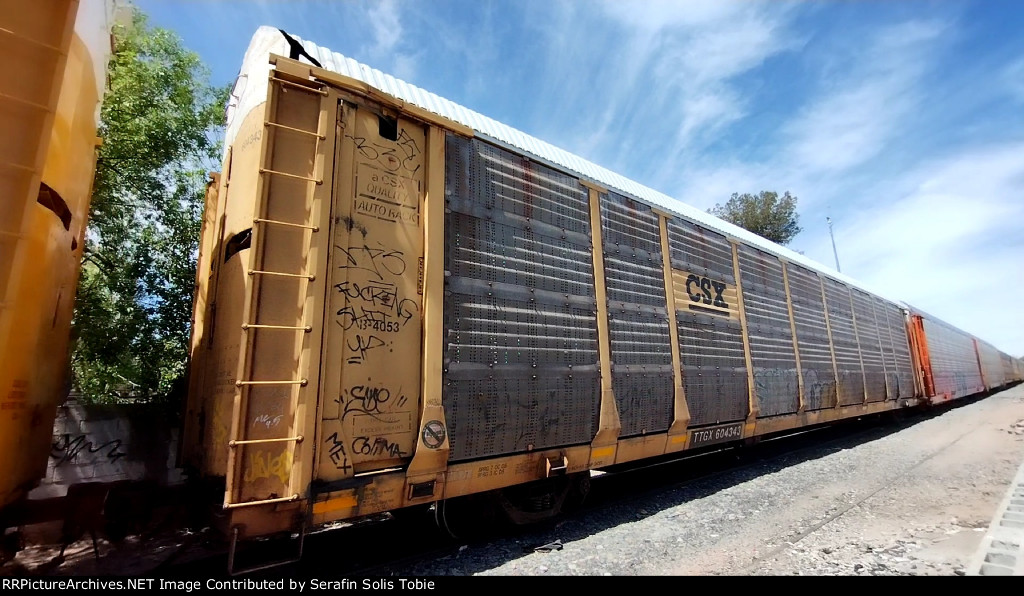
901, 121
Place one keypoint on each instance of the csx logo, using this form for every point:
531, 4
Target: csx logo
702, 289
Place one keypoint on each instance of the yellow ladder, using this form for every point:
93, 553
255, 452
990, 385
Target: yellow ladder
258, 248
253, 306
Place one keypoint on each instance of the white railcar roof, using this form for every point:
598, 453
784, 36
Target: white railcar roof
251, 88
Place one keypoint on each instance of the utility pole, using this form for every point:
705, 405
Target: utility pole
834, 253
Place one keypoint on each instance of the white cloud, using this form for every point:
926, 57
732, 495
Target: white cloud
653, 15
706, 187
1013, 76
952, 246
692, 52
720, 49
386, 41
851, 121
865, 97
386, 26
404, 66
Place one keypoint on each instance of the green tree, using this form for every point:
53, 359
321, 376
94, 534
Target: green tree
765, 214
160, 122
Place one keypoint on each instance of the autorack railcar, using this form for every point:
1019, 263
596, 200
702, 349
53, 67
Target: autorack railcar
401, 301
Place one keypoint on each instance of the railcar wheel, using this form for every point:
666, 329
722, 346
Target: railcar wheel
469, 517
543, 499
578, 493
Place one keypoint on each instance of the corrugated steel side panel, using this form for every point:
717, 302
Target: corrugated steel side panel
521, 356
641, 351
870, 346
844, 340
954, 363
1008, 370
991, 365
710, 345
812, 338
885, 341
770, 335
901, 350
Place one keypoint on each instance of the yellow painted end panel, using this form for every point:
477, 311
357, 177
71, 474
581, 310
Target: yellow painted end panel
51, 108
190, 447
370, 410
289, 294
222, 333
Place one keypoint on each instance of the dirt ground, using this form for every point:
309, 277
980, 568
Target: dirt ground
914, 503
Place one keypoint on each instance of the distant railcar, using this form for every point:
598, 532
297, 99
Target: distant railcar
401, 301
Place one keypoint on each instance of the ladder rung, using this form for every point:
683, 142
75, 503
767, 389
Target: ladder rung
26, 102
286, 223
286, 174
31, 41
263, 502
298, 86
291, 382
307, 328
280, 274
297, 439
298, 130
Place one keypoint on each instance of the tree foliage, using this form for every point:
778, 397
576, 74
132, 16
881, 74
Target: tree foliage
159, 123
765, 214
